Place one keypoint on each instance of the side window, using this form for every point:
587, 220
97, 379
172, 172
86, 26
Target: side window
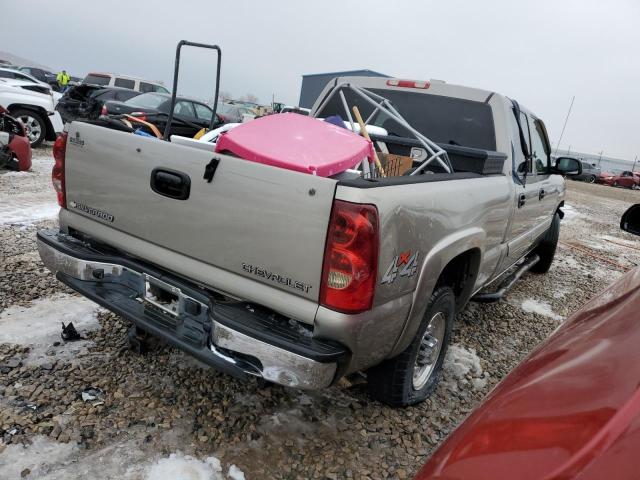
539, 149
525, 166
203, 112
124, 83
4, 74
184, 108
146, 87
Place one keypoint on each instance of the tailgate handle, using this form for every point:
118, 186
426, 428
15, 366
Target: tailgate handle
170, 183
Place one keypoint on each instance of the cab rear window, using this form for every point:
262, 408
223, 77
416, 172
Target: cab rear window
443, 119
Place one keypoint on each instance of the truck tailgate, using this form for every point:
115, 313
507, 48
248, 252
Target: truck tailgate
261, 222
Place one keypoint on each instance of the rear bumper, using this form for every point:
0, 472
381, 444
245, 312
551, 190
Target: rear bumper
234, 337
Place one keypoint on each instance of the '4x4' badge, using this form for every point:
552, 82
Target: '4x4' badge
405, 265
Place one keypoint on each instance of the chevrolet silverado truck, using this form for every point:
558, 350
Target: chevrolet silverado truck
301, 279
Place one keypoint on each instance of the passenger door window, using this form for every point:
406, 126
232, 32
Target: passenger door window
184, 109
203, 112
525, 166
539, 147
125, 83
146, 87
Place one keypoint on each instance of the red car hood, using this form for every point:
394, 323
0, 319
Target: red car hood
570, 410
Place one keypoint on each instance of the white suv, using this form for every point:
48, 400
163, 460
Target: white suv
124, 81
34, 105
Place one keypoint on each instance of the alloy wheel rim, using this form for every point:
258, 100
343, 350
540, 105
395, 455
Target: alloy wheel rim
429, 350
32, 127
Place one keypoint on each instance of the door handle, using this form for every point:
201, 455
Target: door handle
522, 199
170, 183
541, 194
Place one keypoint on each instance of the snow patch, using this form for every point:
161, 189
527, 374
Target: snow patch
185, 467
48, 459
39, 326
21, 212
37, 457
13, 173
541, 308
459, 363
570, 212
235, 473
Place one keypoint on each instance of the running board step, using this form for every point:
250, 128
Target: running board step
508, 282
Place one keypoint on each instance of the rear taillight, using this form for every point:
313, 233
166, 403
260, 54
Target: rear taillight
408, 84
104, 110
57, 174
350, 258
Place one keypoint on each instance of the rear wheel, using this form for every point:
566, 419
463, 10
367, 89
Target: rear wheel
35, 127
546, 250
592, 179
413, 375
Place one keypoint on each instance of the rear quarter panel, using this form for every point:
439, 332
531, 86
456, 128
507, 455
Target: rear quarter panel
434, 222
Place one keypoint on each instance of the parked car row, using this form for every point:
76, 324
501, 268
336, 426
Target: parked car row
189, 116
86, 101
592, 174
626, 179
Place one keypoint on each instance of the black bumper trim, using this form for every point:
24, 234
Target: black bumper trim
118, 299
252, 320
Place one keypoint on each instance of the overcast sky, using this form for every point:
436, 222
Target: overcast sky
540, 52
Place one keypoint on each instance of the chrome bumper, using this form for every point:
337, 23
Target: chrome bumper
275, 364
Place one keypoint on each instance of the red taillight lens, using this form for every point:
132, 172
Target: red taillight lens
57, 174
350, 258
104, 111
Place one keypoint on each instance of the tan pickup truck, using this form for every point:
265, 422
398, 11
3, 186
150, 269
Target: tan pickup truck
301, 279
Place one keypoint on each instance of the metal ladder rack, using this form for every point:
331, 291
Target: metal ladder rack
381, 104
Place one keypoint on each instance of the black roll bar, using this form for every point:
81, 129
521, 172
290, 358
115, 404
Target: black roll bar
167, 128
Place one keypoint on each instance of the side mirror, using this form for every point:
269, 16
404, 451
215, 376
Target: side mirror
631, 220
568, 166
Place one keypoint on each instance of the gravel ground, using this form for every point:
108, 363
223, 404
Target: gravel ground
163, 415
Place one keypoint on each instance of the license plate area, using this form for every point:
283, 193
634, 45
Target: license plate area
167, 298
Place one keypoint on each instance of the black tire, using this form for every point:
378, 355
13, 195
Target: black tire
615, 183
392, 382
20, 114
546, 249
592, 179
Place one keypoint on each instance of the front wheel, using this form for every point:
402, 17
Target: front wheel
34, 125
546, 249
592, 179
413, 375
615, 184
